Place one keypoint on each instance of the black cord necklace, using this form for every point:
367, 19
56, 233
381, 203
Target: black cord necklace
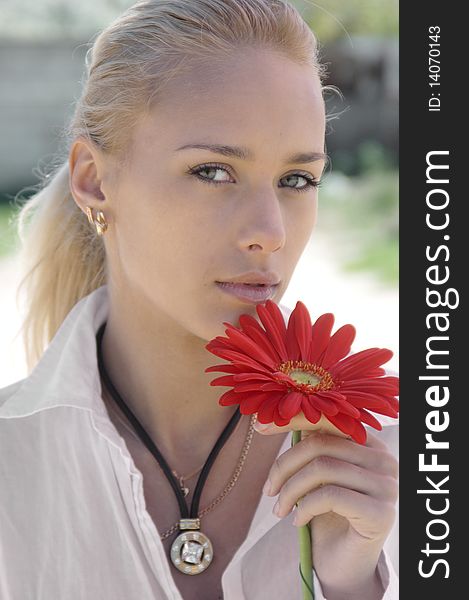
191, 550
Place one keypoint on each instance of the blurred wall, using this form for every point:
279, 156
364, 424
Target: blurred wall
39, 83
366, 71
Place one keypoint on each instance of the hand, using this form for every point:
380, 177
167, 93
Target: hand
348, 493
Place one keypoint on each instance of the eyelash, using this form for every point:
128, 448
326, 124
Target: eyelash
311, 182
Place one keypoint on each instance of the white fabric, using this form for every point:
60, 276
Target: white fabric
73, 522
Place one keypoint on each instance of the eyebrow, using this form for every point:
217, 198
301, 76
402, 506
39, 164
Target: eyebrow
245, 154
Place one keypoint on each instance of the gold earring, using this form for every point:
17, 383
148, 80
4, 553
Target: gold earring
100, 222
89, 214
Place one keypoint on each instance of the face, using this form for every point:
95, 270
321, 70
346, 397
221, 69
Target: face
184, 218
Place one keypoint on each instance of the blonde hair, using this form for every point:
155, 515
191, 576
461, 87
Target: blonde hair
127, 67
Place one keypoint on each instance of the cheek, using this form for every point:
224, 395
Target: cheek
301, 221
161, 242
312, 213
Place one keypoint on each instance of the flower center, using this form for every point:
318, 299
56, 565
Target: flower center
308, 377
304, 377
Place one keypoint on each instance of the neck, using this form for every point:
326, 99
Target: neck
161, 378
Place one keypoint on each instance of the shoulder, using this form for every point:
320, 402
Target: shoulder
67, 372
9, 391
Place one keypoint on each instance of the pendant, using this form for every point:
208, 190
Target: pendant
185, 490
191, 551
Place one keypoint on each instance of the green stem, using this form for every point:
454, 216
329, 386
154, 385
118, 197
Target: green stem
306, 555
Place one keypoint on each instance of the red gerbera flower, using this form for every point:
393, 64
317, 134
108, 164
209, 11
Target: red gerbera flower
280, 371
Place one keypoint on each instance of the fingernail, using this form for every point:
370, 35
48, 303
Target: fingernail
261, 426
267, 489
276, 509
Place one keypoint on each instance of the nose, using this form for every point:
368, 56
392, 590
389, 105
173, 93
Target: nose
263, 226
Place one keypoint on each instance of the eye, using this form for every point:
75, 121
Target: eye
211, 173
301, 178
216, 174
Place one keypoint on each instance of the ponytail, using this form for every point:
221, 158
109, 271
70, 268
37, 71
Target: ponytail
62, 257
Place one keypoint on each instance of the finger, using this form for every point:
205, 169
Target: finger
369, 517
373, 441
318, 444
330, 471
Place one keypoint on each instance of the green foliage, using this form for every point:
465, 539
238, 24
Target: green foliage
361, 214
333, 19
379, 257
8, 236
370, 156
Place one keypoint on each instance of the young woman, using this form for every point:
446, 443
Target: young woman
195, 153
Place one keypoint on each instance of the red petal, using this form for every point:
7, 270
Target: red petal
240, 396
277, 315
321, 334
356, 364
349, 426
359, 433
356, 357
252, 377
279, 376
309, 410
386, 410
275, 328
290, 405
252, 328
257, 386
224, 380
300, 322
228, 398
375, 372
245, 344
324, 404
389, 379
380, 385
272, 387
217, 342
278, 419
343, 404
266, 411
248, 321
241, 359
339, 345
370, 420
226, 368
293, 348
365, 400
252, 403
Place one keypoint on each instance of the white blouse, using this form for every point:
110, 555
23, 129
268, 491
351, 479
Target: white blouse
73, 521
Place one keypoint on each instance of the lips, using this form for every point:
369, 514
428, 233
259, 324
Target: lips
255, 278
249, 293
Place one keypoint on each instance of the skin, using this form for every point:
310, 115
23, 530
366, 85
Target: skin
171, 236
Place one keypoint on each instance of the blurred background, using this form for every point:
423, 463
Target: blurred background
350, 266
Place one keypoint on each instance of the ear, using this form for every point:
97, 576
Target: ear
86, 166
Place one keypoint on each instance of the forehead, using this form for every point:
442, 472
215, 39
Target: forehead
253, 98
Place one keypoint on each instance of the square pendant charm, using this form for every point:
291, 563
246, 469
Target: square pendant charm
191, 552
